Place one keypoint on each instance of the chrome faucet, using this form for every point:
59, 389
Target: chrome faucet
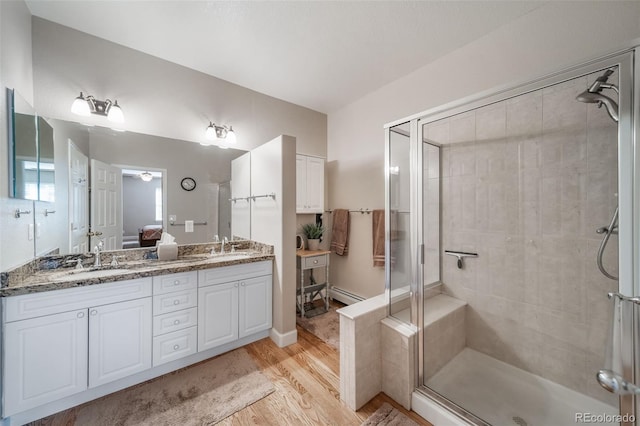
216, 239
225, 240
96, 253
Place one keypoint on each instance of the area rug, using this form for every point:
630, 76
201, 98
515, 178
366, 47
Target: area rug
386, 415
325, 326
202, 394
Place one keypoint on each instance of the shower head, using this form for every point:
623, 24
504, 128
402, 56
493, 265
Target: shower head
601, 82
598, 98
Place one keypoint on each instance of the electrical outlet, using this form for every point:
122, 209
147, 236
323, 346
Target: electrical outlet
172, 218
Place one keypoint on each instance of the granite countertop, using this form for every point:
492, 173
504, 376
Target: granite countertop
58, 272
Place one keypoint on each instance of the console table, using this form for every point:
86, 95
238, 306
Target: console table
307, 293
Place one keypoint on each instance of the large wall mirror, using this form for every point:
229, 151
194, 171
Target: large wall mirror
123, 187
31, 165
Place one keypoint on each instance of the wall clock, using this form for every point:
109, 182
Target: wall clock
188, 184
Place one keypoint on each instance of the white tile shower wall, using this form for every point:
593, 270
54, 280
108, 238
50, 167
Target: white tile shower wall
525, 183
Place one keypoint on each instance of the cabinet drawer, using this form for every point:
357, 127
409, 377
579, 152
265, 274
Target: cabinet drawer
70, 299
176, 301
227, 274
314, 261
175, 321
172, 346
175, 282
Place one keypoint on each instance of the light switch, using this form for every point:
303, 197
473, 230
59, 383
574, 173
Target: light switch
30, 232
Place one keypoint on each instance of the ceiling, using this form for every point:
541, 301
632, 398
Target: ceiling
318, 54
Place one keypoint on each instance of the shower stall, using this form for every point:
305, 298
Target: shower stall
510, 218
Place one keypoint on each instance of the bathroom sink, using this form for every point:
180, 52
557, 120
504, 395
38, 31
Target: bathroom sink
233, 256
218, 257
80, 274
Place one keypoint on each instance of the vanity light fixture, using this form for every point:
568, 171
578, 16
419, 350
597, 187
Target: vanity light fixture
89, 105
223, 134
146, 176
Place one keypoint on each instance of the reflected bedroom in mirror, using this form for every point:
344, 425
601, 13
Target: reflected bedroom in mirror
122, 188
135, 190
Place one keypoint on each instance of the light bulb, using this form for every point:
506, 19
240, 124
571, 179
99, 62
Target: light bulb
115, 113
80, 106
210, 134
231, 136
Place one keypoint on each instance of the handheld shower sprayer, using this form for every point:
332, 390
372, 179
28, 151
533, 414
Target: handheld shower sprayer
593, 96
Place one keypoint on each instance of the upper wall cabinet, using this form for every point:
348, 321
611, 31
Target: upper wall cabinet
309, 184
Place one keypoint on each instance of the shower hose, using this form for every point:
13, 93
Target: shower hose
612, 229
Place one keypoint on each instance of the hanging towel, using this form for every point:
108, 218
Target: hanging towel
340, 232
378, 237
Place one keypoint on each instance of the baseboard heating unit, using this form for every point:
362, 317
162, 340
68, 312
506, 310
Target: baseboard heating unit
344, 296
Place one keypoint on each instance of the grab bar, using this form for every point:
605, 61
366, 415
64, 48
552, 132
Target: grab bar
460, 255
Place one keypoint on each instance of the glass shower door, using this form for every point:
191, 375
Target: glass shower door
515, 314
398, 221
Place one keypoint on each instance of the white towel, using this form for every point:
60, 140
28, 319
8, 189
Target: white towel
188, 226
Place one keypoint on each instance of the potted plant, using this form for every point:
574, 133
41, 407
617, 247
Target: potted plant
313, 232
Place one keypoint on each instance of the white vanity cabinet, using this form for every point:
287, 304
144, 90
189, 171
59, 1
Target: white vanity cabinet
309, 184
119, 340
45, 359
58, 343
65, 347
175, 317
234, 302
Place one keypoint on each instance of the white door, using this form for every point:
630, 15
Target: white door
120, 340
315, 185
45, 360
301, 183
106, 205
78, 200
217, 315
255, 305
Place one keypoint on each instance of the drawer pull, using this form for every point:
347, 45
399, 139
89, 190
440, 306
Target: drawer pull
176, 322
94, 313
80, 315
315, 261
176, 282
176, 302
176, 347
242, 284
235, 285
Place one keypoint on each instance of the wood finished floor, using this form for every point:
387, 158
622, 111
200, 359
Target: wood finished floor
307, 382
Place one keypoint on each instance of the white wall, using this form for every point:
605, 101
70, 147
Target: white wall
273, 170
15, 73
156, 96
554, 36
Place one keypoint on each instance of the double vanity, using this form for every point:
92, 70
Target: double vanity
75, 333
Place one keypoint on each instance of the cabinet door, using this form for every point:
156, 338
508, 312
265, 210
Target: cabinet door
45, 360
315, 185
301, 183
120, 340
255, 305
217, 315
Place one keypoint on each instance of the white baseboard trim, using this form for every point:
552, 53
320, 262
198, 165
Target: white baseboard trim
285, 339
